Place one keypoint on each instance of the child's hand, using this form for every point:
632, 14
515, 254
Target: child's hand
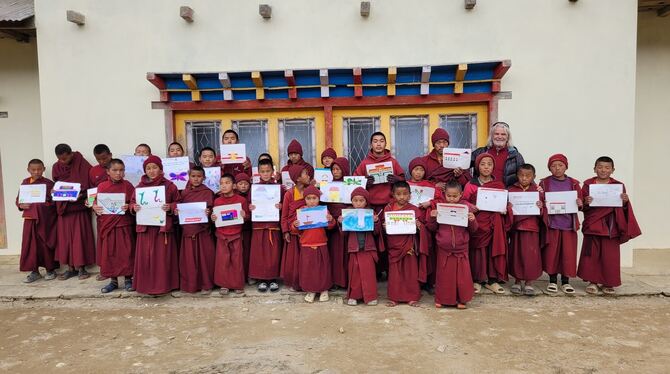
137, 207
175, 212
24, 206
580, 203
588, 200
252, 207
458, 172
540, 189
243, 214
539, 204
340, 219
213, 217
165, 207
433, 213
375, 218
392, 178
371, 180
474, 209
296, 224
246, 164
418, 225
441, 186
124, 208
97, 209
278, 206
287, 237
471, 216
425, 205
329, 217
624, 197
208, 211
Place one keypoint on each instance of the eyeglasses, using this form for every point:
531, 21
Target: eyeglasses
503, 124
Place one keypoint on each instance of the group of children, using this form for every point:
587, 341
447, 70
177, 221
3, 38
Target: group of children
453, 261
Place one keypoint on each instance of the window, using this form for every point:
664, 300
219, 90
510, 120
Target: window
200, 135
302, 130
409, 138
356, 142
254, 134
462, 129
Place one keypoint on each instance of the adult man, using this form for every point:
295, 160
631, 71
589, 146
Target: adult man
506, 156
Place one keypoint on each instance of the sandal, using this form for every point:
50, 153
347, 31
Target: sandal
529, 290
567, 289
592, 289
516, 289
100, 277
552, 287
352, 302
414, 303
110, 287
274, 287
51, 275
609, 290
262, 287
205, 292
83, 274
33, 276
128, 285
391, 304
224, 291
373, 303
477, 287
438, 306
309, 297
495, 288
68, 274
324, 296
461, 306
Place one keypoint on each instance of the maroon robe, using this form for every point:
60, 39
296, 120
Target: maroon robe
438, 197
196, 252
605, 229
229, 264
290, 261
380, 194
246, 236
453, 279
266, 244
559, 247
524, 258
337, 246
435, 172
235, 169
156, 268
38, 244
75, 245
116, 235
488, 245
97, 175
315, 269
407, 256
362, 265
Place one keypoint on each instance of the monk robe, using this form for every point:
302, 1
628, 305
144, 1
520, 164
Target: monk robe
559, 240
229, 264
524, 258
605, 229
116, 234
453, 279
196, 252
488, 245
290, 261
314, 261
235, 169
156, 265
436, 173
380, 194
337, 246
438, 197
38, 244
246, 235
266, 244
75, 244
407, 256
97, 175
362, 282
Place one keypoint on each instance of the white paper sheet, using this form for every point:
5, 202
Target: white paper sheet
400, 222
134, 168
91, 194
264, 197
192, 213
606, 195
112, 203
312, 217
380, 171
452, 214
32, 193
525, 203
491, 199
421, 194
563, 202
286, 180
228, 215
65, 191
255, 176
453, 158
150, 200
175, 170
213, 178
233, 153
322, 176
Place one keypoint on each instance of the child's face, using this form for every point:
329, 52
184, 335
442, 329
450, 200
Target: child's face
603, 169
265, 171
104, 158
440, 145
327, 161
153, 171
525, 177
227, 186
418, 173
401, 195
294, 157
452, 195
175, 151
65, 158
337, 172
196, 177
486, 167
304, 178
378, 144
243, 186
311, 200
207, 158
359, 202
558, 169
141, 150
229, 138
36, 171
117, 171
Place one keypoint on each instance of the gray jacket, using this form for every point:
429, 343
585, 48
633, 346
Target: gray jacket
514, 160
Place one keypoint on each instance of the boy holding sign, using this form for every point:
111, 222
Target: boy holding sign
116, 236
436, 170
524, 258
39, 219
336, 242
453, 280
231, 137
605, 228
559, 254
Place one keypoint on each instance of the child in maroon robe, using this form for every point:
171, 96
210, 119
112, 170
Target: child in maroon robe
453, 280
294, 151
156, 269
407, 253
362, 251
524, 258
242, 188
196, 252
302, 176
229, 264
559, 254
605, 229
314, 259
327, 157
143, 149
207, 158
437, 173
266, 241
116, 232
488, 245
97, 175
337, 246
175, 149
39, 237
231, 137
75, 244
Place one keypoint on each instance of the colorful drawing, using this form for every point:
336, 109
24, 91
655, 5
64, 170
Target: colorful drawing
233, 153
357, 220
421, 194
401, 222
150, 200
112, 203
32, 193
213, 178
228, 215
65, 191
312, 217
380, 171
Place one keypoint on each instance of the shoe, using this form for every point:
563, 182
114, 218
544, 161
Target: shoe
251, 282
33, 276
224, 291
262, 287
373, 303
128, 285
51, 275
274, 287
110, 287
324, 296
205, 292
309, 297
352, 302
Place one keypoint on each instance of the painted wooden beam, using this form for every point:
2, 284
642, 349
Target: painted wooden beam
358, 80
501, 69
328, 119
425, 74
458, 88
495, 86
460, 71
196, 96
257, 78
260, 93
323, 79
225, 80
190, 81
160, 84
186, 12
290, 81
227, 94
75, 17
392, 75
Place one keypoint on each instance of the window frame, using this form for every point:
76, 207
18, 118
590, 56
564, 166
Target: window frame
188, 127
283, 155
235, 126
393, 125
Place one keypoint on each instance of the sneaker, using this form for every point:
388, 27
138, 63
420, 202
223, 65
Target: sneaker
51, 275
224, 291
309, 297
128, 285
33, 276
274, 287
324, 296
262, 287
352, 302
373, 303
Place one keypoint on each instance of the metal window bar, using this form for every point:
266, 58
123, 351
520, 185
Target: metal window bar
302, 130
409, 139
356, 139
200, 135
254, 134
462, 129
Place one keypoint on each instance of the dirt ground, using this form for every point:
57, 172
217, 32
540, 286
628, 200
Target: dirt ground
283, 334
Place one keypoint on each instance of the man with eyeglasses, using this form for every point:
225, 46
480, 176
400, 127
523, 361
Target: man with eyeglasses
506, 156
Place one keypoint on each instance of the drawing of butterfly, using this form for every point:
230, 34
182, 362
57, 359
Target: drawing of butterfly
178, 177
